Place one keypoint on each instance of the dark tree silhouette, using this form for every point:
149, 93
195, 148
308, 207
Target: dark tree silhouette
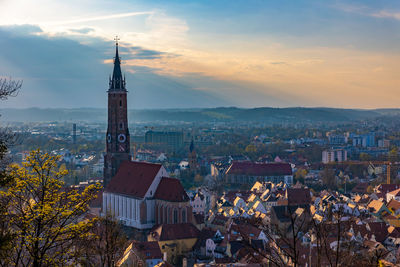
8, 88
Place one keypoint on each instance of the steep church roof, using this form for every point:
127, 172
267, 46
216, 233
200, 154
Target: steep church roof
117, 82
171, 189
191, 147
133, 178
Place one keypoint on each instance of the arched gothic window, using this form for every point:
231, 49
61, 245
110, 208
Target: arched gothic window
184, 215
175, 216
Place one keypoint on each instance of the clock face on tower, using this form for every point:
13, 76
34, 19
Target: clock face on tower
121, 138
109, 138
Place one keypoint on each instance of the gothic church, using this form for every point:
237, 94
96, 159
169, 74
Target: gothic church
139, 194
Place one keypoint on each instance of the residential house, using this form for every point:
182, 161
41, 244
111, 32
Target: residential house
395, 194
174, 239
377, 207
394, 207
296, 196
141, 254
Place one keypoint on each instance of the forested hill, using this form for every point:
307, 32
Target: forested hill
229, 114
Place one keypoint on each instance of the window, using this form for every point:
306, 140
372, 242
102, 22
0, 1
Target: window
120, 103
175, 216
184, 215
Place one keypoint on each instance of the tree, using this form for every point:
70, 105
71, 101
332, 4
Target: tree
285, 237
9, 88
365, 157
106, 244
198, 178
44, 216
329, 178
300, 175
393, 154
370, 189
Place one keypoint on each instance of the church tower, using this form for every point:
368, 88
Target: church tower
117, 137
192, 157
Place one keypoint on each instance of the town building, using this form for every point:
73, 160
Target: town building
146, 254
334, 155
365, 140
171, 139
174, 239
337, 139
245, 172
141, 195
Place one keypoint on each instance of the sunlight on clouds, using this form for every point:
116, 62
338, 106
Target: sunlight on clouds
313, 74
163, 33
387, 14
322, 74
366, 11
97, 18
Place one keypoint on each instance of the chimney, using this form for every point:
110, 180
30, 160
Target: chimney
184, 262
165, 256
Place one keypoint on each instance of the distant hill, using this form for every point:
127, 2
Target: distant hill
233, 114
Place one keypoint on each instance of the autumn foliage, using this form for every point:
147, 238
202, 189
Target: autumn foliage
42, 215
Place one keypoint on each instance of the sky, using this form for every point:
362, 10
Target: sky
190, 54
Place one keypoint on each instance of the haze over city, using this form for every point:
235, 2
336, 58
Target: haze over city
185, 54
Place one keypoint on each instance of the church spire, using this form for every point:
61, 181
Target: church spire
191, 147
117, 82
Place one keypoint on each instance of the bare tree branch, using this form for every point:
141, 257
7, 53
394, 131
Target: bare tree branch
9, 88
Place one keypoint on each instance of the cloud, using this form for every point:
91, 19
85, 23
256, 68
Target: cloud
84, 30
279, 63
387, 14
23, 29
136, 52
60, 72
97, 18
369, 11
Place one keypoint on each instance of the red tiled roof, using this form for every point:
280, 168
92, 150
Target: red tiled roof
148, 249
219, 220
223, 260
393, 204
247, 230
379, 229
133, 178
231, 195
178, 231
395, 193
171, 189
360, 188
163, 264
385, 188
298, 196
260, 169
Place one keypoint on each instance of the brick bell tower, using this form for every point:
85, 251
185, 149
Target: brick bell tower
117, 137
